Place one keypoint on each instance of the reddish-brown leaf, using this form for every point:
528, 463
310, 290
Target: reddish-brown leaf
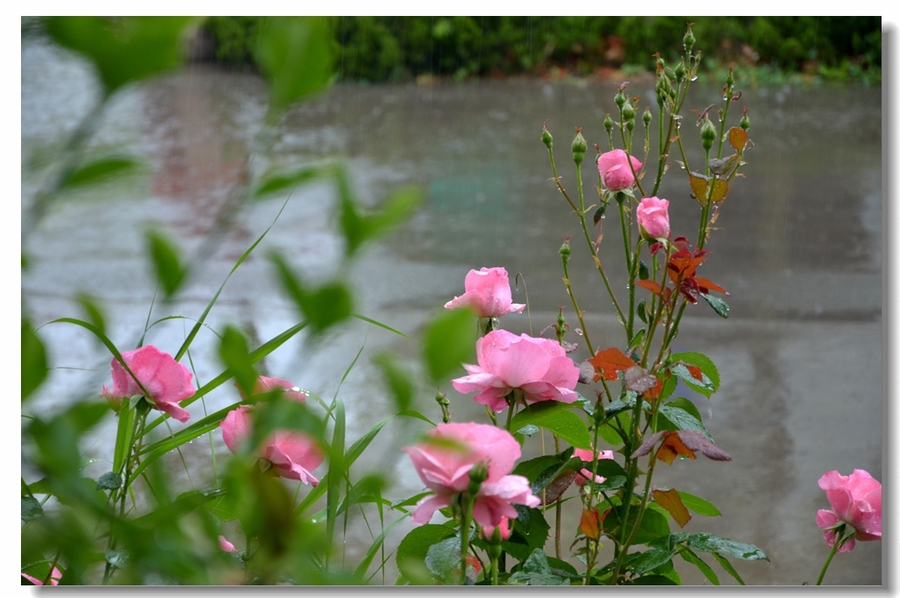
720, 190
699, 185
558, 486
610, 362
707, 285
694, 371
695, 441
650, 285
670, 500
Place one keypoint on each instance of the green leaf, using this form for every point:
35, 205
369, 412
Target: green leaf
708, 382
34, 360
725, 547
123, 49
294, 54
412, 550
728, 567
699, 505
97, 171
109, 481
536, 571
680, 419
529, 532
557, 418
31, 509
447, 343
166, 262
688, 555
650, 560
93, 312
718, 304
124, 434
323, 307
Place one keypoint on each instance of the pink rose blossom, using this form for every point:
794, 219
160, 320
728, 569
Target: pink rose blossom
856, 501
444, 459
166, 381
292, 454
653, 217
487, 294
584, 475
225, 545
614, 170
55, 576
536, 366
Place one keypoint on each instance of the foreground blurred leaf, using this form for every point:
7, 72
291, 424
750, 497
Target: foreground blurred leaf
414, 547
123, 49
235, 354
97, 172
448, 342
34, 360
170, 272
323, 307
31, 509
294, 54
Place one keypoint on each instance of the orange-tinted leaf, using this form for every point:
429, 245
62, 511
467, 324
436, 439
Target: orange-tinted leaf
610, 362
671, 502
695, 372
720, 190
650, 285
699, 185
590, 523
737, 137
654, 392
672, 447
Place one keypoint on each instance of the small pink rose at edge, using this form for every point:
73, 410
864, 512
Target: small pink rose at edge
55, 576
488, 294
167, 381
856, 501
584, 475
225, 545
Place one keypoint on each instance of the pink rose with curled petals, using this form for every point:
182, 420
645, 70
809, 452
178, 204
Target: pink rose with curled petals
446, 456
166, 381
584, 475
225, 545
615, 173
855, 501
487, 293
55, 576
653, 217
536, 366
292, 454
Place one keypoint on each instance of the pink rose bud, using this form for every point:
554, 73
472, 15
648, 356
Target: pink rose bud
487, 294
503, 528
538, 367
225, 545
447, 455
265, 384
653, 218
855, 501
614, 170
55, 576
166, 381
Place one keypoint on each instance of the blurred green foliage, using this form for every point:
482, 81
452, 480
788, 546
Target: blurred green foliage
399, 48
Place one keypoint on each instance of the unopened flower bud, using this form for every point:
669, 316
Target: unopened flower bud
745, 121
579, 146
679, 72
628, 111
729, 79
707, 133
547, 138
608, 124
689, 39
647, 117
477, 475
630, 125
620, 98
565, 250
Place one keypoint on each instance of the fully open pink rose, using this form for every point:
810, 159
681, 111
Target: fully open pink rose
584, 475
856, 501
444, 459
292, 454
166, 381
615, 172
487, 294
653, 217
536, 366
